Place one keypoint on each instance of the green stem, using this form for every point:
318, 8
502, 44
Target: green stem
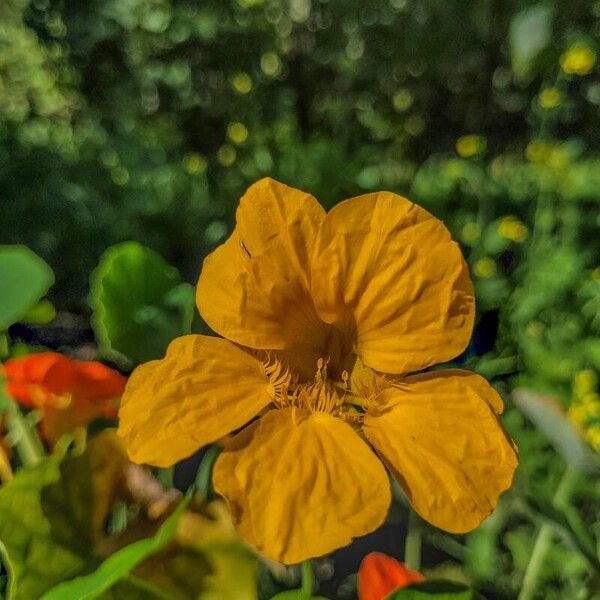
165, 477
447, 544
308, 578
28, 444
545, 536
536, 562
412, 545
204, 474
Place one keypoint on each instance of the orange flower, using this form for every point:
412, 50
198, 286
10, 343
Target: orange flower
69, 393
325, 317
379, 575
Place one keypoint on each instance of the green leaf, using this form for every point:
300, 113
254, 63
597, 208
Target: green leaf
550, 419
118, 565
28, 551
55, 544
436, 590
53, 515
139, 303
24, 279
530, 33
206, 560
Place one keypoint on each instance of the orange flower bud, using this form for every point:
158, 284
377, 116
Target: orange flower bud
379, 575
69, 393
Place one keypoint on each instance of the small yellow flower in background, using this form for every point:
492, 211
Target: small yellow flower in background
241, 83
538, 150
553, 155
585, 381
513, 229
550, 98
596, 274
585, 409
485, 268
593, 436
579, 59
226, 155
194, 163
470, 145
237, 132
324, 318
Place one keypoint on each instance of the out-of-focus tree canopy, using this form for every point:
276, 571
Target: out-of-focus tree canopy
146, 119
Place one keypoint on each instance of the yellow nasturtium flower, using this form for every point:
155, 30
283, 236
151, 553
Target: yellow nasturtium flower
325, 316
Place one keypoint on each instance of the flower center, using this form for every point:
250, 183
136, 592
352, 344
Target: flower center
322, 395
338, 348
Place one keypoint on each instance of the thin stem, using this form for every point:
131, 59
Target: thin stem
448, 544
165, 477
545, 535
308, 578
203, 476
536, 562
544, 199
26, 440
412, 545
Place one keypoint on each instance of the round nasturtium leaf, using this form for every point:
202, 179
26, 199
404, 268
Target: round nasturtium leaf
139, 303
435, 590
24, 279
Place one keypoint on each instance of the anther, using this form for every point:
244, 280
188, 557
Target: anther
345, 378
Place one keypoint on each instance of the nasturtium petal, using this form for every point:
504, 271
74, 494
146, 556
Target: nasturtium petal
39, 379
96, 381
380, 574
254, 288
388, 266
439, 434
301, 484
204, 388
69, 393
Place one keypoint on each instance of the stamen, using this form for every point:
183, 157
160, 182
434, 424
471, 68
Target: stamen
322, 395
281, 379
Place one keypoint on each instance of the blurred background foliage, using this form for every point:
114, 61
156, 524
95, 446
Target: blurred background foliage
145, 120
